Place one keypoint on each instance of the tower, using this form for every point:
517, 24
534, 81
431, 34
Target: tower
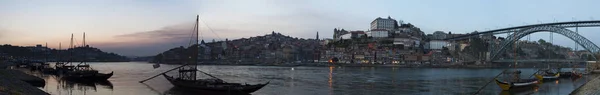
317, 35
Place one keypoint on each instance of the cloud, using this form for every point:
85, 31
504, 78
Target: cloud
147, 43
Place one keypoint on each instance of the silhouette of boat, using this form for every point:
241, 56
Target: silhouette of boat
215, 85
187, 76
83, 71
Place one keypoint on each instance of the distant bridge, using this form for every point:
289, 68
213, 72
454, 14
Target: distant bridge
519, 32
571, 24
540, 60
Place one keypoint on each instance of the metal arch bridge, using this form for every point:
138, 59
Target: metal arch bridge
570, 24
540, 60
522, 31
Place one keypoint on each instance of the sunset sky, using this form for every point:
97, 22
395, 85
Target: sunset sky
146, 27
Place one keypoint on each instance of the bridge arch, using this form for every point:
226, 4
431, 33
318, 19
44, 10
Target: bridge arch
508, 42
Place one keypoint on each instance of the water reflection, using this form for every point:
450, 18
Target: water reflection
56, 86
330, 81
80, 88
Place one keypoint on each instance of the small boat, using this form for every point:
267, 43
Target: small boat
517, 85
571, 74
156, 65
48, 70
547, 75
216, 85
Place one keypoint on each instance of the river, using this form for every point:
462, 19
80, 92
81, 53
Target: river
307, 80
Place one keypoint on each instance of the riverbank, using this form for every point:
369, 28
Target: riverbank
14, 82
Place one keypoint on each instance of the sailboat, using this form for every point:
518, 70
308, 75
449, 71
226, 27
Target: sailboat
64, 67
187, 75
516, 83
571, 74
83, 71
547, 74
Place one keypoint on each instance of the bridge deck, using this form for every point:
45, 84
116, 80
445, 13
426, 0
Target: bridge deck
540, 60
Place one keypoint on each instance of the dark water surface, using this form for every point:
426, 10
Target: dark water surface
307, 81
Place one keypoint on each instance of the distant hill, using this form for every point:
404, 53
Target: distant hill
86, 53
270, 48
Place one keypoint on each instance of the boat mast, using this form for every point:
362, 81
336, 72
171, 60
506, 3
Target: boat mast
189, 72
58, 52
71, 51
195, 46
47, 53
84, 53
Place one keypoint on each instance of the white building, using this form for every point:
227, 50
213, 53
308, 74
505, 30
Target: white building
378, 33
406, 42
381, 23
436, 44
346, 36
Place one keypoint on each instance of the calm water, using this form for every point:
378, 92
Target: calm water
307, 81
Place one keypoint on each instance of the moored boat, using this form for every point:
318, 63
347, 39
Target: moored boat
517, 85
83, 72
547, 75
215, 85
187, 75
570, 75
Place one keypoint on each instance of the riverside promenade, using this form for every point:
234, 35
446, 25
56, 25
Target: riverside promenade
589, 88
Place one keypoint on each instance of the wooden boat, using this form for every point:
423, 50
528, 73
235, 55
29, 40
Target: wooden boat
187, 79
46, 69
571, 74
216, 85
67, 66
517, 85
514, 82
83, 72
547, 75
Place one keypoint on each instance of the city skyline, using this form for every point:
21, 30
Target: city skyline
142, 28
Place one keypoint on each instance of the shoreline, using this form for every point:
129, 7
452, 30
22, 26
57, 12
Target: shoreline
15, 82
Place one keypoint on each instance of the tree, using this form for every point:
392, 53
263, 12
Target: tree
542, 41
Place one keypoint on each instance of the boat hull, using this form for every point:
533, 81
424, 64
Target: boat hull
547, 77
523, 84
215, 87
87, 77
570, 75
